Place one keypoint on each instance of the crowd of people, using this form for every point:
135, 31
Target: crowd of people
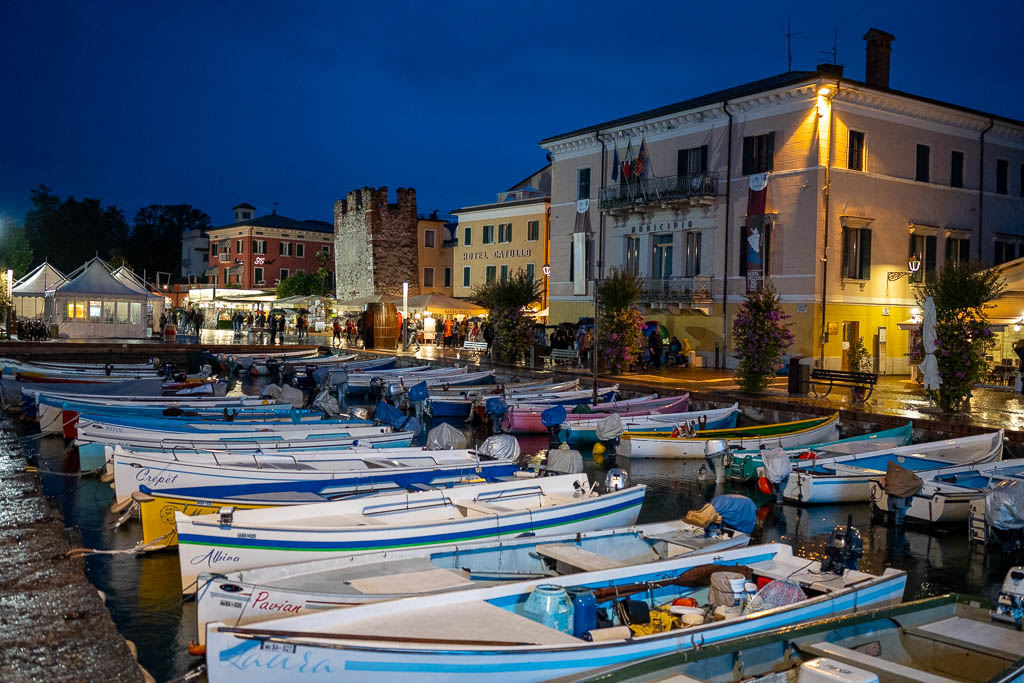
187, 321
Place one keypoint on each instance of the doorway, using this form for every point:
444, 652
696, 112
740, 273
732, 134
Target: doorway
851, 333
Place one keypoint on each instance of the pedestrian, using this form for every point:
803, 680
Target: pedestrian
656, 346
488, 336
336, 328
586, 348
447, 332
163, 322
273, 330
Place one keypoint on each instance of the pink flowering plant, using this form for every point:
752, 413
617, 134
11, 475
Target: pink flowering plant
621, 339
508, 301
761, 336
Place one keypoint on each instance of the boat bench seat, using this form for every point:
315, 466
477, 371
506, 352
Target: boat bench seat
478, 507
890, 671
574, 556
984, 637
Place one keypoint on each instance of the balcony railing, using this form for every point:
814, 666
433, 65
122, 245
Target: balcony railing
684, 290
672, 188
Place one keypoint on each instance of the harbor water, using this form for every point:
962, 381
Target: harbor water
143, 591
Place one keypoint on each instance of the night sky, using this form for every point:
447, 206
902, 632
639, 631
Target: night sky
217, 103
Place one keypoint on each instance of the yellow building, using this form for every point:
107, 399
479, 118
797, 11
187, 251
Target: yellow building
435, 256
496, 240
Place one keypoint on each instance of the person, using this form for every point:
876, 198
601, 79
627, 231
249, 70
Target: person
350, 330
280, 328
586, 348
656, 346
303, 330
447, 332
273, 330
474, 334
336, 328
249, 319
488, 336
163, 322
675, 349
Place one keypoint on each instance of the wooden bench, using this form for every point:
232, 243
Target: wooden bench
856, 381
477, 346
561, 356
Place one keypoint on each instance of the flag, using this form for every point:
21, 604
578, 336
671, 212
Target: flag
627, 164
640, 165
615, 164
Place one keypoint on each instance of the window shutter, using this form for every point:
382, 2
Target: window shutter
930, 248
683, 162
748, 155
703, 159
743, 250
845, 268
770, 152
865, 254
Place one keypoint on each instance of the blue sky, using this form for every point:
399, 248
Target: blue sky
214, 104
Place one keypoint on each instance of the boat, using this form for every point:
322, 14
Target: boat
581, 429
947, 494
460, 402
398, 386
846, 478
484, 633
747, 465
782, 434
937, 639
257, 538
73, 370
253, 595
542, 401
360, 384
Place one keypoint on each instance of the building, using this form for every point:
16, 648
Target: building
195, 254
493, 240
376, 243
259, 252
845, 195
435, 253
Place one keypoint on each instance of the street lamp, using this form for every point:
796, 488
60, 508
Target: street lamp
405, 316
10, 300
914, 264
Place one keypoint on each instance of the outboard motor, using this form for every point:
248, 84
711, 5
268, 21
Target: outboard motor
206, 369
496, 410
616, 480
715, 451
552, 418
376, 389
167, 370
843, 549
1010, 603
418, 395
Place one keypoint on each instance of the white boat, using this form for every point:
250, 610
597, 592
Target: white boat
585, 431
782, 435
846, 478
254, 595
258, 538
484, 633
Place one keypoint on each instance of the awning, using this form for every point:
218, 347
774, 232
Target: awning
209, 272
235, 270
225, 243
541, 314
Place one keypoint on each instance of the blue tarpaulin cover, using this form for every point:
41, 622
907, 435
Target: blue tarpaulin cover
390, 415
555, 415
496, 406
738, 512
418, 392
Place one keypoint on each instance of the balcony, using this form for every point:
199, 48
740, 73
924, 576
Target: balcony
677, 292
693, 189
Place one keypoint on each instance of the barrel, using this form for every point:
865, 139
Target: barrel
550, 605
584, 610
382, 320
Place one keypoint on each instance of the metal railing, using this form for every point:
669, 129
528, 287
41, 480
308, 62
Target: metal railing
676, 289
638, 192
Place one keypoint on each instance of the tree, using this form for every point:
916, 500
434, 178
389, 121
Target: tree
963, 338
305, 284
157, 233
761, 336
621, 342
15, 251
69, 233
507, 300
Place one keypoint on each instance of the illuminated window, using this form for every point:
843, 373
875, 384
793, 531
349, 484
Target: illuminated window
95, 310
108, 311
80, 310
71, 311
122, 312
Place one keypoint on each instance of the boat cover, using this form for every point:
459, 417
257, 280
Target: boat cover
418, 392
703, 517
609, 427
564, 460
738, 512
326, 402
444, 437
555, 415
285, 393
777, 465
901, 482
500, 447
1004, 505
387, 414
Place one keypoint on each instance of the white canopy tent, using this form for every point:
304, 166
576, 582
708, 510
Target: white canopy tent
29, 292
156, 302
93, 304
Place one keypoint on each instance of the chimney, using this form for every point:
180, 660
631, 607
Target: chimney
832, 72
876, 69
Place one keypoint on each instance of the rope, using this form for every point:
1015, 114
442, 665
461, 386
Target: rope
137, 549
81, 473
40, 435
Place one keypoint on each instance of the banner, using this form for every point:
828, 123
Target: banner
754, 247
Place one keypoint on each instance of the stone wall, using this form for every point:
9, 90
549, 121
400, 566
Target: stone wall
375, 243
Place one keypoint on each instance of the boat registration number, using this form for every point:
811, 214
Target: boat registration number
272, 646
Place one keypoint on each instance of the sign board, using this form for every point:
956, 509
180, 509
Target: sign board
801, 308
885, 310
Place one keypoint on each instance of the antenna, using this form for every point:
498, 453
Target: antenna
789, 43
835, 46
275, 208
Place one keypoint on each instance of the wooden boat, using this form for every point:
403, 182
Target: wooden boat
524, 414
783, 434
939, 640
460, 401
254, 595
582, 432
444, 381
947, 494
11, 389
542, 401
258, 538
470, 634
359, 384
846, 478
77, 370
747, 465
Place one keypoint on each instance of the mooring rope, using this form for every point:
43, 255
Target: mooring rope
138, 548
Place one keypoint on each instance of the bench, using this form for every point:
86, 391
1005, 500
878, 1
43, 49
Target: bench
856, 381
477, 346
576, 557
561, 356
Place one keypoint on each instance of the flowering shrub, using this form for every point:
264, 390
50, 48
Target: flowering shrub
621, 341
761, 337
507, 301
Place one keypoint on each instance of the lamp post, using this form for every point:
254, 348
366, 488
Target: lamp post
405, 316
914, 264
10, 300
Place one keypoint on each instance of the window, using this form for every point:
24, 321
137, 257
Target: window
504, 233
924, 153
1002, 176
284, 274
80, 310
246, 215
488, 234
691, 268
108, 311
466, 275
958, 250
122, 312
238, 246
490, 273
213, 248
428, 277
692, 161
284, 249
259, 246
257, 274
530, 271
504, 272
956, 169
662, 258
532, 231
1006, 250
428, 238
300, 250
855, 153
468, 241
227, 276
632, 257
856, 253
764, 243
759, 153
135, 313
326, 250
447, 277
582, 183
922, 247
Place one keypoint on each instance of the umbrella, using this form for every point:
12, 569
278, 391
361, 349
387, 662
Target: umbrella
439, 304
930, 366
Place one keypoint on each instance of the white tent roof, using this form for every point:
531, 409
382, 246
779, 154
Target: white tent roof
43, 277
94, 278
129, 279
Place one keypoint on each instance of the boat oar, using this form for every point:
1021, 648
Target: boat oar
263, 633
692, 578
